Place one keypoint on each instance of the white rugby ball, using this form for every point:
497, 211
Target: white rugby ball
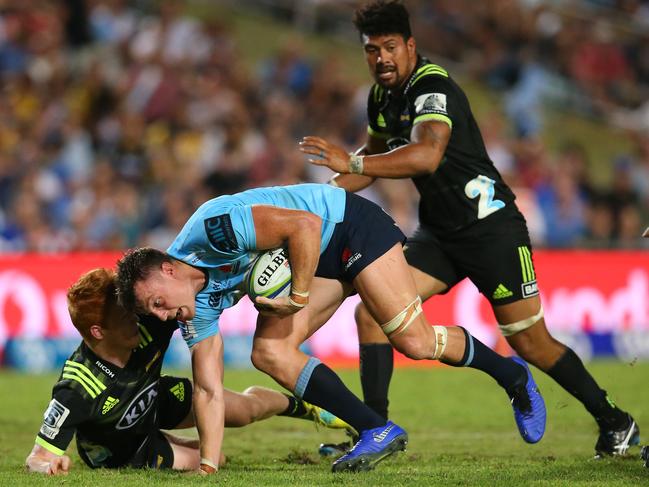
270, 275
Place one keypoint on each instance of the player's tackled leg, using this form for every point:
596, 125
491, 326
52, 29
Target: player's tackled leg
317, 384
411, 334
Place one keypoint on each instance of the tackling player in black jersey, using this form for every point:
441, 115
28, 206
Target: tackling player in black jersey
112, 394
421, 127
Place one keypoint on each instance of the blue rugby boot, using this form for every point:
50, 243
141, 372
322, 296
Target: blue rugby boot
373, 446
529, 407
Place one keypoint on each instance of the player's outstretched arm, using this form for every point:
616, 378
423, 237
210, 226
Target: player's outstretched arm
207, 400
43, 461
357, 182
421, 156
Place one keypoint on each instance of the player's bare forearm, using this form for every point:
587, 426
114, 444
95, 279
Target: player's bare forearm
352, 182
207, 399
416, 159
422, 156
299, 231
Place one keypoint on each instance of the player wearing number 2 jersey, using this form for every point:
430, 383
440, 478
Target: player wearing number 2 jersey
421, 127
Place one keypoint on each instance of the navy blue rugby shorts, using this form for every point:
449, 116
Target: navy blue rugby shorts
365, 234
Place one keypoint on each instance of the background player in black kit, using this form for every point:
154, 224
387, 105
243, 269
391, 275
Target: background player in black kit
112, 395
421, 127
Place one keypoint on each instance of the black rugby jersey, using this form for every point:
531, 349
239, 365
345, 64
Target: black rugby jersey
111, 409
466, 187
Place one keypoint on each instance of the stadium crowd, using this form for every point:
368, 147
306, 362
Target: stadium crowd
119, 118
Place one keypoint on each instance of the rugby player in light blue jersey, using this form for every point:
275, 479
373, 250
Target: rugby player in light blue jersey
337, 243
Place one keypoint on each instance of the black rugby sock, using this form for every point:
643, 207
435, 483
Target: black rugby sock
295, 408
570, 373
479, 356
325, 389
376, 366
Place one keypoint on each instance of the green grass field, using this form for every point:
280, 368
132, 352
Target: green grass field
460, 425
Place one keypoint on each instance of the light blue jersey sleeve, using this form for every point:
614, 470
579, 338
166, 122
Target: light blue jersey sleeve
220, 240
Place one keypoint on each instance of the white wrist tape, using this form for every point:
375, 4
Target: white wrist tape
295, 303
356, 164
209, 463
305, 294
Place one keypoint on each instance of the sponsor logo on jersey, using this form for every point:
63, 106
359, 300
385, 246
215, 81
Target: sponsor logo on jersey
431, 102
529, 289
108, 372
109, 404
187, 330
220, 233
54, 417
501, 292
179, 391
194, 257
218, 285
138, 408
215, 299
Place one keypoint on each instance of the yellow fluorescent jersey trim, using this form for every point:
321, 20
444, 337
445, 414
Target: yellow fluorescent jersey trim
429, 70
50, 448
87, 373
155, 357
378, 135
377, 92
80, 380
433, 116
146, 332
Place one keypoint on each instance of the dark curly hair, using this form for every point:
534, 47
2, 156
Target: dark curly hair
382, 18
136, 265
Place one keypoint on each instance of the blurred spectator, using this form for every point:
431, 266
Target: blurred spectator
119, 118
599, 234
564, 208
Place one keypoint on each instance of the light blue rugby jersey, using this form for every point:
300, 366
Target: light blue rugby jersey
220, 239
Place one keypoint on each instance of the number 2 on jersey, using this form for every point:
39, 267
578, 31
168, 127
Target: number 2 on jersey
483, 188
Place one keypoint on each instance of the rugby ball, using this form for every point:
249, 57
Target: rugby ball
269, 275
